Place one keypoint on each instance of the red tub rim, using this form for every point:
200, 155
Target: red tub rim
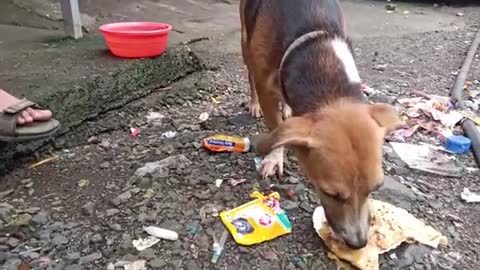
113, 28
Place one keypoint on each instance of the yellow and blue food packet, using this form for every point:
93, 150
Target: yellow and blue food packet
257, 221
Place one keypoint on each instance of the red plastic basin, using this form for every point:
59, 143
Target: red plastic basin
136, 39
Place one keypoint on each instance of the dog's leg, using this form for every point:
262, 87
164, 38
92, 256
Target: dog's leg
254, 106
268, 98
272, 163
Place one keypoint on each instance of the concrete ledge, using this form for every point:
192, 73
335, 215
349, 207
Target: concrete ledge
73, 103
105, 92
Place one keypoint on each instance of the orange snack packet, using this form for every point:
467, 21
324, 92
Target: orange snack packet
225, 143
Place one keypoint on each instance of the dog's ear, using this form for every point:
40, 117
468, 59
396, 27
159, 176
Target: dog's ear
385, 116
295, 131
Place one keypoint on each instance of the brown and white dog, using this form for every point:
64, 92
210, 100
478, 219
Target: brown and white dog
298, 54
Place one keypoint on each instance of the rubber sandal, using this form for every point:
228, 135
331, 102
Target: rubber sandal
11, 132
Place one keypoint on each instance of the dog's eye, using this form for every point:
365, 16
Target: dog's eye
333, 195
337, 197
378, 186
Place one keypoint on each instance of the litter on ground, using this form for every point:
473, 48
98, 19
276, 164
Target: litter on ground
226, 143
469, 196
257, 221
203, 117
154, 117
44, 161
158, 168
126, 265
161, 233
218, 182
234, 182
144, 243
428, 159
168, 135
435, 115
218, 246
458, 144
134, 132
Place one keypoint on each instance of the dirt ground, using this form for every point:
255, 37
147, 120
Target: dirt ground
77, 212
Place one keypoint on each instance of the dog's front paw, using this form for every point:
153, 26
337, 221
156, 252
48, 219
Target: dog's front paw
272, 163
255, 110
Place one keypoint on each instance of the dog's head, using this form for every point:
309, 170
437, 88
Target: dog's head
340, 149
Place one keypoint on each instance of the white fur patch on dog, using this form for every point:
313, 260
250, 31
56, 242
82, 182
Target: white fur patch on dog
341, 49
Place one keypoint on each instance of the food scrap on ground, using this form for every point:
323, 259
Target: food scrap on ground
234, 182
390, 227
257, 221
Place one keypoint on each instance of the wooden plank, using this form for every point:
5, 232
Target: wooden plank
71, 18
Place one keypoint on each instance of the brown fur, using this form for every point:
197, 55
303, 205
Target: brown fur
338, 138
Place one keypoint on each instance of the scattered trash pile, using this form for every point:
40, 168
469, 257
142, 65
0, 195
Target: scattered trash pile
436, 117
432, 131
263, 219
431, 115
436, 122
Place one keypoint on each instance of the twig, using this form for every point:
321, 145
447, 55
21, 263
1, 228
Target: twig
50, 159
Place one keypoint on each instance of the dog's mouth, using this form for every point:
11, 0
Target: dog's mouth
354, 240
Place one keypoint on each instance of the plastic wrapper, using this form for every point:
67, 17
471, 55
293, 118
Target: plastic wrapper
225, 143
257, 221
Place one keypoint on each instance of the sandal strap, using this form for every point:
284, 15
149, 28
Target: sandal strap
20, 106
9, 117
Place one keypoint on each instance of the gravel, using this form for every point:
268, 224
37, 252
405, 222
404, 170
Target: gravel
92, 226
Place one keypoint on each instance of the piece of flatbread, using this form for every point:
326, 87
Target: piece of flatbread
389, 228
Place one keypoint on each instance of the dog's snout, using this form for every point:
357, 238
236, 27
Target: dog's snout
356, 237
356, 241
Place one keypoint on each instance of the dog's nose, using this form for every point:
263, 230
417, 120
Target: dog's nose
356, 241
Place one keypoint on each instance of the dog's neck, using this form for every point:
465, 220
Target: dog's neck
317, 69
299, 42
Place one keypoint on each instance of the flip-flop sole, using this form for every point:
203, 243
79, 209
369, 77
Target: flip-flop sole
28, 138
